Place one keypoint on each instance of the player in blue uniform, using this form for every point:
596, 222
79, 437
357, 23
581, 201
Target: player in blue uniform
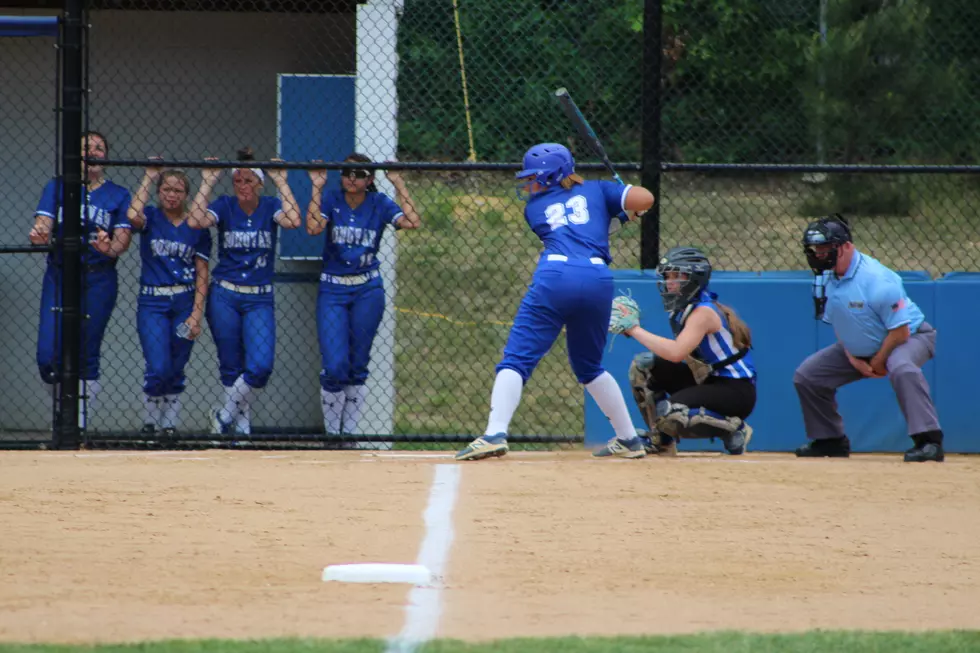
241, 308
107, 232
351, 300
572, 288
173, 288
701, 383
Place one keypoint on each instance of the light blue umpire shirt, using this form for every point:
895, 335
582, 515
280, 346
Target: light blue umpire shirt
866, 303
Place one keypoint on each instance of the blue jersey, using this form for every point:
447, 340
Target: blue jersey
354, 235
106, 210
168, 251
246, 243
575, 222
715, 347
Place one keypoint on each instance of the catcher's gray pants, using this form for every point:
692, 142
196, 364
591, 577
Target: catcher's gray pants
819, 376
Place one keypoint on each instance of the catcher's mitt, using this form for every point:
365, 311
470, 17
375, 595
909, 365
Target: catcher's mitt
625, 314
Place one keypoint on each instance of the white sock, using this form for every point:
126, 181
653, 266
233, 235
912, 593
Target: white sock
88, 391
242, 393
170, 412
507, 389
333, 404
151, 407
353, 406
607, 394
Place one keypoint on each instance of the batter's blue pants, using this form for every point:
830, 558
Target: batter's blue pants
575, 294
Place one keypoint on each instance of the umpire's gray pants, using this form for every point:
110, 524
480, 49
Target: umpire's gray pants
818, 377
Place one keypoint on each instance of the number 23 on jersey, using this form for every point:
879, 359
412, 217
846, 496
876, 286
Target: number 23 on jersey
575, 211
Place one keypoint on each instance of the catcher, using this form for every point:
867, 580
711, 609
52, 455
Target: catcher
701, 384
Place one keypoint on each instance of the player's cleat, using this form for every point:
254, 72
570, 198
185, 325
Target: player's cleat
930, 451
737, 443
825, 448
623, 448
169, 434
486, 447
148, 430
666, 445
218, 425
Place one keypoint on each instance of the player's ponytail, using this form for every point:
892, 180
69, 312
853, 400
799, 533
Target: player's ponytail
571, 180
741, 334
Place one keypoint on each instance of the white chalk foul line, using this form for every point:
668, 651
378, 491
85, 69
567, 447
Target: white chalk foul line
425, 603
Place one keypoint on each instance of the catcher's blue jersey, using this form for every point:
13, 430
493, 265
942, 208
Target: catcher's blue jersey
106, 210
354, 235
715, 347
168, 251
575, 222
246, 243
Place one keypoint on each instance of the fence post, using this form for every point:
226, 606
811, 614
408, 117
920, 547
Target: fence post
650, 144
66, 435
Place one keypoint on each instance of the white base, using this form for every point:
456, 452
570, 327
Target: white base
378, 573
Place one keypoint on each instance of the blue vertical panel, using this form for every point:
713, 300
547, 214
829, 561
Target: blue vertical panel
958, 359
316, 121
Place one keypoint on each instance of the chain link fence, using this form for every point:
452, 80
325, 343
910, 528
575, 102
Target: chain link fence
455, 91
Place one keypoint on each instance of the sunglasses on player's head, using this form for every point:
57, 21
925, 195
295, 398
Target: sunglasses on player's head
356, 173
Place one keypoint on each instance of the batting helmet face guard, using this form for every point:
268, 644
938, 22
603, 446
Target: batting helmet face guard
547, 164
685, 272
822, 240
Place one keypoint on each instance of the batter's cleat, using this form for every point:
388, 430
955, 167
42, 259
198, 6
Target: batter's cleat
825, 448
633, 448
930, 451
489, 446
218, 425
738, 442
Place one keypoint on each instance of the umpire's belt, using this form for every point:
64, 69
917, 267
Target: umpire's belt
350, 279
164, 291
248, 290
561, 257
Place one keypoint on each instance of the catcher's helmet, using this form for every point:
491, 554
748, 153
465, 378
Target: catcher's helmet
684, 260
831, 230
547, 164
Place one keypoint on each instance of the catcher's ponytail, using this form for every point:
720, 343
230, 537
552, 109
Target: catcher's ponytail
741, 334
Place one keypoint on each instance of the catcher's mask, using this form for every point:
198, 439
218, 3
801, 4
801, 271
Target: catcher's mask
832, 230
687, 261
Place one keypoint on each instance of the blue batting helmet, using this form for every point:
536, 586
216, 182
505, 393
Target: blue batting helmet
547, 163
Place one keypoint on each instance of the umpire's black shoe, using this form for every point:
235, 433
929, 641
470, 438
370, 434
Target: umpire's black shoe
826, 448
925, 453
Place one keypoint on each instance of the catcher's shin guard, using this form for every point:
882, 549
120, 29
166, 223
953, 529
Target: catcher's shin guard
681, 421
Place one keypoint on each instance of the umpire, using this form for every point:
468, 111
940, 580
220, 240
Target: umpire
880, 332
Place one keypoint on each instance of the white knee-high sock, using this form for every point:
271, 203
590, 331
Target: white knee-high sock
609, 397
170, 412
152, 408
333, 404
243, 393
506, 396
353, 406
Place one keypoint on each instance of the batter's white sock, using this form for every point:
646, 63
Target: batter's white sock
507, 388
353, 406
88, 391
609, 397
333, 404
152, 409
170, 412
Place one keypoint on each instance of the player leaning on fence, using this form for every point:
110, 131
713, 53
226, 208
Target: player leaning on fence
701, 383
880, 332
107, 234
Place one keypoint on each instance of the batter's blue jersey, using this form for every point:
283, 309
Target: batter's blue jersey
106, 210
354, 235
168, 250
575, 222
246, 243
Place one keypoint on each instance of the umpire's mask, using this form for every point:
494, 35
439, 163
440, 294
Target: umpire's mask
832, 230
688, 261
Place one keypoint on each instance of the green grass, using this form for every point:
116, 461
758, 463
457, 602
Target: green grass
721, 642
461, 277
